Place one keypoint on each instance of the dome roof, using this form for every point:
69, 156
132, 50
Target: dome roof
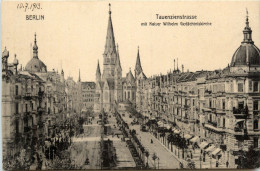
36, 65
246, 54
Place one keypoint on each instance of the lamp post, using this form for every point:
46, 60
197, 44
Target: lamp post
158, 162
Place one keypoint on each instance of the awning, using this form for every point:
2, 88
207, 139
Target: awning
210, 149
187, 136
216, 151
203, 144
194, 139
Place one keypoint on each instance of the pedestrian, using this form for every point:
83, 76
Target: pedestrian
227, 164
216, 163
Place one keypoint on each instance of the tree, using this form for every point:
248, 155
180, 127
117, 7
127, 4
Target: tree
249, 159
170, 140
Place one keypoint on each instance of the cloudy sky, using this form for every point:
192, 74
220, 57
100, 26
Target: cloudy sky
72, 35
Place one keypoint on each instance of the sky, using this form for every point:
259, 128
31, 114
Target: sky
72, 34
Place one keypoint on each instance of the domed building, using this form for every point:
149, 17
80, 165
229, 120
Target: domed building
247, 55
35, 64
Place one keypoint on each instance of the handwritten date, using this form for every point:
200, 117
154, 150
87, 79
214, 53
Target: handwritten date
29, 6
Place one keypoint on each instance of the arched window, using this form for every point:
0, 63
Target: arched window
255, 124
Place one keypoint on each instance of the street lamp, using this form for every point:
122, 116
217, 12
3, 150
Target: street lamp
158, 162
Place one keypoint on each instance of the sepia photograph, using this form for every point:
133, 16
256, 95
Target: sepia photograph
116, 85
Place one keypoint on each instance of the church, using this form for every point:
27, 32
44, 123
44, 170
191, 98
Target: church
111, 88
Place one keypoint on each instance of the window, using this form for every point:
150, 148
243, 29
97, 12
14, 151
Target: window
255, 86
223, 104
255, 142
255, 124
17, 126
250, 85
255, 107
16, 90
240, 87
16, 107
241, 105
224, 122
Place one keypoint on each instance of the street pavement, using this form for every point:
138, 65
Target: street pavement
87, 146
166, 158
124, 157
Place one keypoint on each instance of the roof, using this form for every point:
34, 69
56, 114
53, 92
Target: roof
118, 63
110, 39
246, 54
130, 77
138, 67
36, 65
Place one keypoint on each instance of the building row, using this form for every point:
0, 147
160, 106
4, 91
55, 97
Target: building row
217, 108
36, 101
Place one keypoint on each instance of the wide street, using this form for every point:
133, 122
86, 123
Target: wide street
87, 145
166, 158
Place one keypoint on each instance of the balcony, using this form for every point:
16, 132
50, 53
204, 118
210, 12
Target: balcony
186, 107
214, 128
240, 131
28, 96
240, 113
208, 92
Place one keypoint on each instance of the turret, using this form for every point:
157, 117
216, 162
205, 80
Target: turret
15, 63
5, 56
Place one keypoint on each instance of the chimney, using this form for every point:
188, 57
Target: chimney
182, 68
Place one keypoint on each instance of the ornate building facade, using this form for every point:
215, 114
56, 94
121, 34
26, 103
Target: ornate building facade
218, 110
33, 101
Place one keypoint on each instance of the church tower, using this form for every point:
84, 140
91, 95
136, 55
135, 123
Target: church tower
110, 55
138, 67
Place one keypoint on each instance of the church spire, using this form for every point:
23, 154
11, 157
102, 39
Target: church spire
79, 76
98, 73
35, 48
138, 66
247, 31
110, 39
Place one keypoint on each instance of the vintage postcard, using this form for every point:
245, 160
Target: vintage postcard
130, 85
